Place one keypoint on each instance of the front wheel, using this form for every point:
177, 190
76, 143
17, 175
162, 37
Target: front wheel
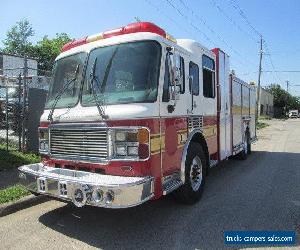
195, 173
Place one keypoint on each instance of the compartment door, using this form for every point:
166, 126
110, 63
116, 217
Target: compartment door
225, 110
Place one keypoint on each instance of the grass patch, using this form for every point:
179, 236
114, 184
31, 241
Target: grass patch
13, 193
265, 118
13, 158
260, 125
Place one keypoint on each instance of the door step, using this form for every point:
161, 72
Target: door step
171, 183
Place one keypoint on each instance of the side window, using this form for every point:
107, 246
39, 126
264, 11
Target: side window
182, 74
208, 67
194, 78
166, 92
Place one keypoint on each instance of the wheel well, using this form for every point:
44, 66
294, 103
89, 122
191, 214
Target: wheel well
199, 138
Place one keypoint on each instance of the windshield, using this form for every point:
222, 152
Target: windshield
123, 73
64, 71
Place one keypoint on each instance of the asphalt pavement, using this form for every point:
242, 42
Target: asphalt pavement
261, 193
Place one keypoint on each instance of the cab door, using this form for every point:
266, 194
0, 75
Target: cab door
173, 122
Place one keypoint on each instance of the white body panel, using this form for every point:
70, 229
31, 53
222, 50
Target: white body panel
225, 114
243, 111
236, 112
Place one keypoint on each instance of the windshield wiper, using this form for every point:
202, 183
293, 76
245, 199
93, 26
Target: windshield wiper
60, 93
93, 78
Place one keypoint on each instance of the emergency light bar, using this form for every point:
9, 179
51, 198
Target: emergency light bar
128, 29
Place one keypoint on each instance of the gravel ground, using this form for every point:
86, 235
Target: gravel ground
261, 193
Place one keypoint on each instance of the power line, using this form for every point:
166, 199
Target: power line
228, 17
283, 71
207, 26
168, 17
243, 15
272, 71
271, 61
191, 23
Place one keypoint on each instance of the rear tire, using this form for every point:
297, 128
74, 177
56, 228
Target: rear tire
195, 173
249, 143
246, 147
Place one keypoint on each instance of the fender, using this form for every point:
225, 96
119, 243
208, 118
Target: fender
192, 135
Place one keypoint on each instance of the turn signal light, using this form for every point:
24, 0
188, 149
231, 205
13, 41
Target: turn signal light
143, 136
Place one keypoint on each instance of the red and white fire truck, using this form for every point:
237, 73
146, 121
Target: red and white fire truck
133, 114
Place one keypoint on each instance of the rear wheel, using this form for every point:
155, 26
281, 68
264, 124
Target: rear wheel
246, 147
249, 143
195, 172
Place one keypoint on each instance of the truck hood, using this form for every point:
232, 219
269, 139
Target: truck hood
114, 112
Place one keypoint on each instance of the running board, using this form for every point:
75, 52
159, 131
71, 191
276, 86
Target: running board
171, 183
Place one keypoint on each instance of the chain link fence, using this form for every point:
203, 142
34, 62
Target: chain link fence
22, 99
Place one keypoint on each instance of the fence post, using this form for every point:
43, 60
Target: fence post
19, 112
25, 71
6, 114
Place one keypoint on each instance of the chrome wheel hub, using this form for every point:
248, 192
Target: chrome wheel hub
196, 173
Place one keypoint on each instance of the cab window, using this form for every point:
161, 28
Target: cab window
194, 78
208, 67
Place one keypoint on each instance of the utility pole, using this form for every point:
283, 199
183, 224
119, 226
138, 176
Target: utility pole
258, 82
287, 86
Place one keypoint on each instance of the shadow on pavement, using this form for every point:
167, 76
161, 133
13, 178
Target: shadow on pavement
261, 193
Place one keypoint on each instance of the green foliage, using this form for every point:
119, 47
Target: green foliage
48, 49
17, 38
262, 117
13, 193
283, 99
260, 125
12, 158
45, 51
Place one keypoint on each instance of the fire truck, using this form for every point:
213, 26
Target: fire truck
134, 114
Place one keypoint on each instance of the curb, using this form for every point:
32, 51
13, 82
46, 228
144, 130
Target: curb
25, 202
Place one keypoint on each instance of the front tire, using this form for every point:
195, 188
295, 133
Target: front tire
195, 173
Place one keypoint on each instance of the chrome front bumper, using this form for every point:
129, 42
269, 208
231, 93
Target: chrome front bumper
84, 188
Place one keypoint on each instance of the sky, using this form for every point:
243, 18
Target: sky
233, 25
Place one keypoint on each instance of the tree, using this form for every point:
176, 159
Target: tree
48, 49
17, 38
45, 51
283, 100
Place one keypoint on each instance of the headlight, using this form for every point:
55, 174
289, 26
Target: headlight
121, 150
43, 140
133, 150
120, 136
132, 144
44, 146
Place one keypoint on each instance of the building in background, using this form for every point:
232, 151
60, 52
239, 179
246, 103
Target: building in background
265, 105
13, 65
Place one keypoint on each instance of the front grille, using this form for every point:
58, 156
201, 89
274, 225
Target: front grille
88, 144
